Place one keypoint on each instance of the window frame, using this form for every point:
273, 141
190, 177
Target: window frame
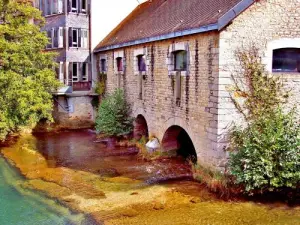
77, 74
84, 10
103, 67
139, 57
119, 64
75, 44
74, 9
281, 69
85, 72
175, 55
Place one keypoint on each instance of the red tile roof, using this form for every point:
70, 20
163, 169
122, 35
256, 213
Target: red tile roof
159, 17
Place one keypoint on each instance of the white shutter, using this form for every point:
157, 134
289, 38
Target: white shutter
61, 72
82, 38
60, 37
60, 6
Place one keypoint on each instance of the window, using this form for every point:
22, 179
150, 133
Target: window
180, 61
286, 60
75, 77
85, 72
119, 64
75, 37
55, 38
103, 65
141, 63
48, 7
74, 6
83, 6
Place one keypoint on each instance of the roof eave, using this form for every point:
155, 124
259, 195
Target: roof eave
175, 34
233, 13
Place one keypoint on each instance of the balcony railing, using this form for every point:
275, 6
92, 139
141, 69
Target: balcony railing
78, 86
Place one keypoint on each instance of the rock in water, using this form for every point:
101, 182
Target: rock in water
153, 145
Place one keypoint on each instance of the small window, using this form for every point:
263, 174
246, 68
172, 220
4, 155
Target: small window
141, 63
75, 72
103, 65
84, 72
74, 5
119, 64
286, 60
75, 37
83, 7
180, 61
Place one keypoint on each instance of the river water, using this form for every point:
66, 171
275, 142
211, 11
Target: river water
111, 185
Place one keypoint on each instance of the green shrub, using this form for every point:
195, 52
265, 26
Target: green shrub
268, 156
265, 155
114, 115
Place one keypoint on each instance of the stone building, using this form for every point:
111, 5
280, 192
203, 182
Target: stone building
175, 58
68, 26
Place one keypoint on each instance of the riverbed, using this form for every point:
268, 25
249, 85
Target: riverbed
79, 181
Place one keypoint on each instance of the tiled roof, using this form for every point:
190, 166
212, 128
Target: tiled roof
159, 17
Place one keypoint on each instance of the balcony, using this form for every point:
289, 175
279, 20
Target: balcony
69, 86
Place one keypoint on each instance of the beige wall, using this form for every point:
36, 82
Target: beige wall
267, 24
199, 96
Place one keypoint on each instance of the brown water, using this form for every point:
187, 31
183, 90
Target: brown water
116, 187
79, 150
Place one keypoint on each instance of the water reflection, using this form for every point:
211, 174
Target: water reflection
78, 150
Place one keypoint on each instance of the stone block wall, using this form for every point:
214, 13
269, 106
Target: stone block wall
199, 91
74, 112
267, 24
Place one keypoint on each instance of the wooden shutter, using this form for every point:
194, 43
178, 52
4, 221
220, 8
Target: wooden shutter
178, 87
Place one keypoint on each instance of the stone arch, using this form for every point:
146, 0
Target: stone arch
140, 127
179, 137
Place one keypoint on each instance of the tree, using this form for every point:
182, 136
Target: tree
114, 115
27, 74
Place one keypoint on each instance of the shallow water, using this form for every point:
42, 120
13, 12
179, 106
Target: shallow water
21, 206
113, 186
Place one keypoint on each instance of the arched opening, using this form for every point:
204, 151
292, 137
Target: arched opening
140, 128
176, 138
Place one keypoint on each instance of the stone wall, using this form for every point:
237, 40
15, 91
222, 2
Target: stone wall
267, 24
74, 112
195, 113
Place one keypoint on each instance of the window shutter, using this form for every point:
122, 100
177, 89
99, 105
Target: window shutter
79, 38
46, 7
178, 88
82, 38
70, 37
60, 37
60, 6
61, 72
79, 8
70, 74
79, 71
69, 5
